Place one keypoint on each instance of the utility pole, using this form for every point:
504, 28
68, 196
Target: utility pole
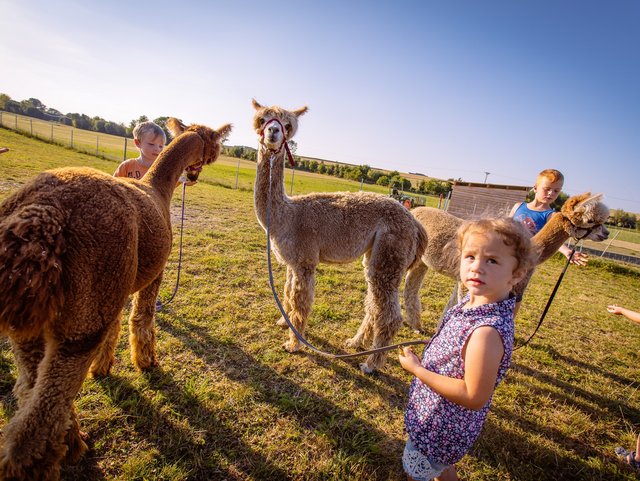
486, 174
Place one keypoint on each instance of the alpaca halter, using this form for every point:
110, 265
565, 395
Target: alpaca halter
284, 141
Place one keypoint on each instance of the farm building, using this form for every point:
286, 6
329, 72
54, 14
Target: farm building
470, 200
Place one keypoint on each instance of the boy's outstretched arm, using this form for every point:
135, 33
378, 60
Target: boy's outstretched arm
628, 313
579, 258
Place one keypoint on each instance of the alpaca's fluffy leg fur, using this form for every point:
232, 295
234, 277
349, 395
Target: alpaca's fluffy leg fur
34, 440
412, 304
75, 440
365, 331
302, 292
106, 354
142, 334
286, 303
28, 354
382, 307
386, 320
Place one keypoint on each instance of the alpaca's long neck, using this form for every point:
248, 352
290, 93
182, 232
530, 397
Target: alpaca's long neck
275, 167
167, 168
549, 239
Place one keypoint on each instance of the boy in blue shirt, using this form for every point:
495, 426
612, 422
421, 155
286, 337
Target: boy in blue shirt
535, 214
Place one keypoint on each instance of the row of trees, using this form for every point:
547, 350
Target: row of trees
620, 218
358, 173
35, 108
362, 173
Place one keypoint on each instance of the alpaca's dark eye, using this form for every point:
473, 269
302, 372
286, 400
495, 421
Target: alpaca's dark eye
261, 121
287, 127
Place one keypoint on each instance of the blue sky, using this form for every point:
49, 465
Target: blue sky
451, 89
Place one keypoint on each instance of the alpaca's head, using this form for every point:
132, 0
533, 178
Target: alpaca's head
275, 125
211, 139
587, 216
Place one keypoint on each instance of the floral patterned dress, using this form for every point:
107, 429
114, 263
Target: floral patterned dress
440, 429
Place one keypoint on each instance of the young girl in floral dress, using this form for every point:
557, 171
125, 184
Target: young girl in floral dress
467, 358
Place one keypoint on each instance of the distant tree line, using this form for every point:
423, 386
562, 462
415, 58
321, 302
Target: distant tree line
361, 173
35, 108
358, 173
620, 218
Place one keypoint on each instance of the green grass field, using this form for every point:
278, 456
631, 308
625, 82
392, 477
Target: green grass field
228, 403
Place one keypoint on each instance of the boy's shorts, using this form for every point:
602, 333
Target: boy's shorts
418, 466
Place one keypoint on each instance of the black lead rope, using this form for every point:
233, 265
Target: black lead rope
159, 303
553, 294
286, 317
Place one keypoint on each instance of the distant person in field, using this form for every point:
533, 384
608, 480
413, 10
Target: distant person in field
630, 457
150, 140
3, 150
470, 353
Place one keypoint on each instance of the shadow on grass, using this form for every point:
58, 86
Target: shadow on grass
222, 438
526, 461
583, 365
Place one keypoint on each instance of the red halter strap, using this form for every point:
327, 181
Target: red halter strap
284, 142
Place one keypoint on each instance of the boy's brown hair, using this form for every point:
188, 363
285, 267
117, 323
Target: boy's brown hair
552, 175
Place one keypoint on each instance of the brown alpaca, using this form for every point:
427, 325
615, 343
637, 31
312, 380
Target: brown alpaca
333, 228
581, 216
74, 244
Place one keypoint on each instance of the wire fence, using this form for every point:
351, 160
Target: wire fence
108, 146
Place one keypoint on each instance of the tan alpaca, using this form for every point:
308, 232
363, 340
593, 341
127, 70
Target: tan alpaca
333, 228
74, 244
582, 216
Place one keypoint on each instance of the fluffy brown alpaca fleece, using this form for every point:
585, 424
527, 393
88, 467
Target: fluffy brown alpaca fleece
333, 228
582, 216
74, 244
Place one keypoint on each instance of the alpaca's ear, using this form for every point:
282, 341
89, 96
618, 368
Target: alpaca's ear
300, 111
255, 104
224, 131
175, 126
591, 199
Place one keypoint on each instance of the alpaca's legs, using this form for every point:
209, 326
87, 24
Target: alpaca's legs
106, 354
28, 354
387, 320
412, 304
384, 273
142, 334
302, 291
34, 439
365, 331
75, 440
286, 302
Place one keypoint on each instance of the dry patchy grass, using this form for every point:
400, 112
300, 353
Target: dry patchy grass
228, 403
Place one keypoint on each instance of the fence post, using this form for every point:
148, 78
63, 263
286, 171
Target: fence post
51, 131
237, 172
71, 138
16, 123
31, 127
125, 150
97, 144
